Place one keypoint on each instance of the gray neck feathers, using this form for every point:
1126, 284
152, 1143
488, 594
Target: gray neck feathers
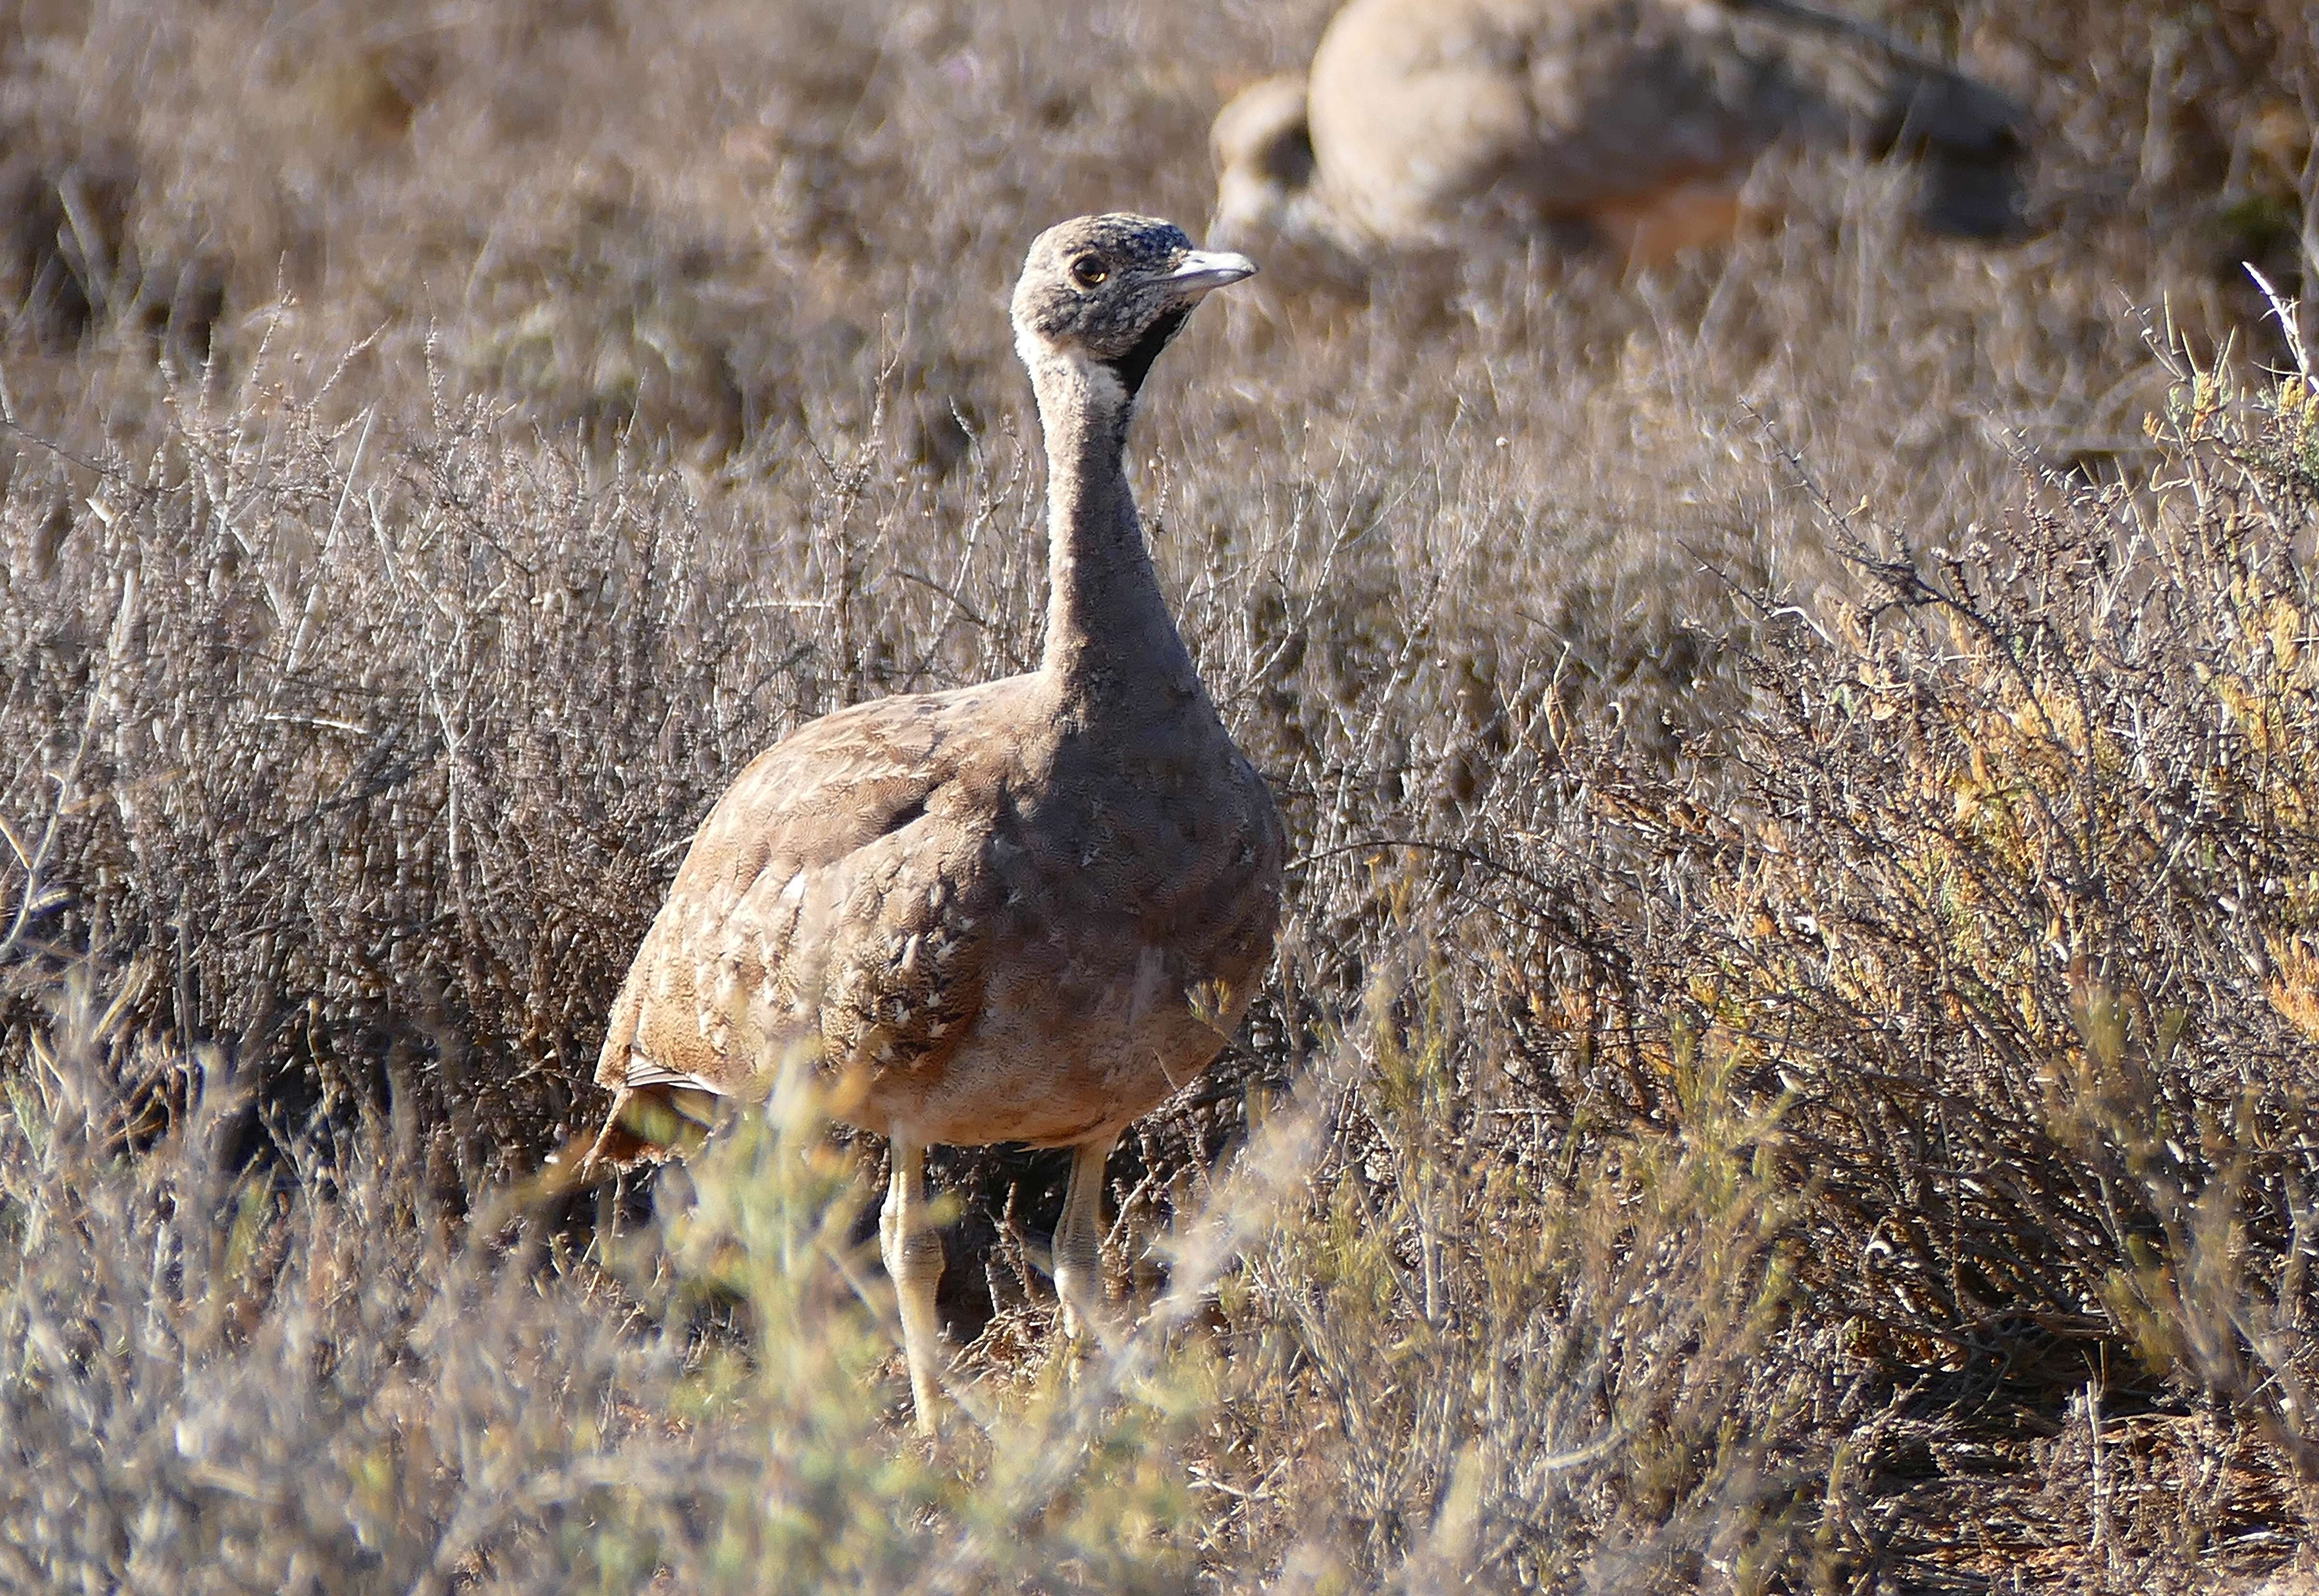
1108, 629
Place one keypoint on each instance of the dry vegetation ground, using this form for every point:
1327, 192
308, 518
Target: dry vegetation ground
1791, 1066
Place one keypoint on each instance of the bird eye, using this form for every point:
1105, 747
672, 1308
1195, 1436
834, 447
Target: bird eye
1089, 270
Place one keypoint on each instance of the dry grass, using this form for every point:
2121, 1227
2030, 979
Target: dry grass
1791, 1061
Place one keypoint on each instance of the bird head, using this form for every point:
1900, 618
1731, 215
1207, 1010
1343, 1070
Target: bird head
1262, 147
1111, 291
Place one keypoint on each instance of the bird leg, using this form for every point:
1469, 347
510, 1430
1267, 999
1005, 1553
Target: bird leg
1078, 1269
914, 1262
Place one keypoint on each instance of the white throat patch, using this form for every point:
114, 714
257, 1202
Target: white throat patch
1100, 382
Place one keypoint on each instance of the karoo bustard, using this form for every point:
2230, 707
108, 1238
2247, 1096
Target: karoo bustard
1025, 911
1628, 124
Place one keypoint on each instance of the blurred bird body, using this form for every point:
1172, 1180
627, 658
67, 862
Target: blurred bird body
1630, 124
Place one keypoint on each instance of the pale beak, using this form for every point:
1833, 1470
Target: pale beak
1201, 270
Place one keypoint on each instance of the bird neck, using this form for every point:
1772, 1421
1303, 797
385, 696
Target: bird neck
1108, 629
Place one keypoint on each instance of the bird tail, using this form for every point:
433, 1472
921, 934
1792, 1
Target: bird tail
665, 1115
1968, 138
657, 1114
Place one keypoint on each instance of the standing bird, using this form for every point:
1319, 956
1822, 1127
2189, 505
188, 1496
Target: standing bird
1025, 911
1627, 124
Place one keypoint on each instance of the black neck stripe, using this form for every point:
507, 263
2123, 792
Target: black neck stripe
1133, 366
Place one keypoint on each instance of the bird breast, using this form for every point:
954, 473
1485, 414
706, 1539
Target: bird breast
1133, 909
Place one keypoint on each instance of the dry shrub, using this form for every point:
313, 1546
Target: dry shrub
324, 687
308, 1376
1448, 1357
1998, 900
1482, 1355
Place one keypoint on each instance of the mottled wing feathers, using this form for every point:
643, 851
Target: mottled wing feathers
834, 900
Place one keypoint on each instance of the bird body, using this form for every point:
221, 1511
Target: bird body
1022, 911
1005, 919
1425, 120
